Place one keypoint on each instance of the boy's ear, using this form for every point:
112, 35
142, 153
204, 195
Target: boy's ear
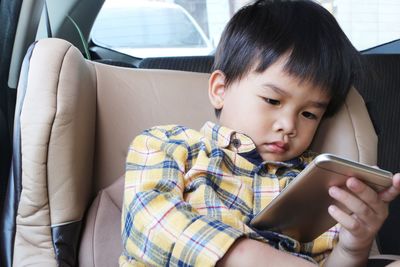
216, 89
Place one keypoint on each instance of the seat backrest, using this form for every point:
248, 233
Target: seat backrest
77, 119
202, 64
131, 100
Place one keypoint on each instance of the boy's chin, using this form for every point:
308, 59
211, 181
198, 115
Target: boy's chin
276, 157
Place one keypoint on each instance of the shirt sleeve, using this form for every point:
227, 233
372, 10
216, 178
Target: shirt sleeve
158, 226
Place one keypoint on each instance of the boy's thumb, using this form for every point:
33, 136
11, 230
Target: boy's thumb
393, 191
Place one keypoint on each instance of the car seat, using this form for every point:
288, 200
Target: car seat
73, 124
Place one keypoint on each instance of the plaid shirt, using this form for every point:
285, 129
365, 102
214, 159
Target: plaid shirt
189, 195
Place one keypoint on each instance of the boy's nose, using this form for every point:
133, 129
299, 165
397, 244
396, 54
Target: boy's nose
286, 125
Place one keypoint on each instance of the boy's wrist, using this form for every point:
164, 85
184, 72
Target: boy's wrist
362, 250
348, 257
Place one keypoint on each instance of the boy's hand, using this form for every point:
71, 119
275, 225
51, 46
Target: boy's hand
369, 211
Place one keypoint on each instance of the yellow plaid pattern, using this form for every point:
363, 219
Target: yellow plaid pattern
189, 195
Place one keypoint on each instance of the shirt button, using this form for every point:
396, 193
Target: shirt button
236, 143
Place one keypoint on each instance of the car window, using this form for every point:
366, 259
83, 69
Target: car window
156, 28
366, 23
149, 29
148, 26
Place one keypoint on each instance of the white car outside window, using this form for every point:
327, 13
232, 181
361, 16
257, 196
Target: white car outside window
149, 29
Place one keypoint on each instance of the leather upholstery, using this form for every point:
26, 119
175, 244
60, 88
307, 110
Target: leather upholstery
100, 247
77, 121
131, 100
57, 143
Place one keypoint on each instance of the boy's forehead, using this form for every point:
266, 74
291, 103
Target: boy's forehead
279, 72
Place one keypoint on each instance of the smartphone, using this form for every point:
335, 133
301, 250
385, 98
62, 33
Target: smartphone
301, 209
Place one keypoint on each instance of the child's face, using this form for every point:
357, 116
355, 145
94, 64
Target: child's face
277, 111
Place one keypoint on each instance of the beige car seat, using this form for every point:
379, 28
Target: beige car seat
76, 119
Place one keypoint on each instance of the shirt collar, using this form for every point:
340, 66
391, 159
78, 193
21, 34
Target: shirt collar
299, 162
228, 138
241, 143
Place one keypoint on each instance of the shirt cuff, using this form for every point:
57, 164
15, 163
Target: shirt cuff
203, 243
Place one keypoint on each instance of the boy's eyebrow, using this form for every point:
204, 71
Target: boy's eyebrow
317, 104
277, 89
320, 105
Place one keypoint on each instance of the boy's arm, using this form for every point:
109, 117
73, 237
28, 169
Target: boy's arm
358, 230
158, 226
248, 252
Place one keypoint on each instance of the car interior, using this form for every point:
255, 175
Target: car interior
66, 123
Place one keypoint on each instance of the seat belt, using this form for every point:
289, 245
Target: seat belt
50, 34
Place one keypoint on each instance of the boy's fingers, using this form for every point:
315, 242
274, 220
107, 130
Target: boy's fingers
357, 206
346, 220
392, 192
365, 193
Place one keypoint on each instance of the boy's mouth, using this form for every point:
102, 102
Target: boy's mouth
277, 147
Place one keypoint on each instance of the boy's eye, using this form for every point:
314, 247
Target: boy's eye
272, 101
309, 115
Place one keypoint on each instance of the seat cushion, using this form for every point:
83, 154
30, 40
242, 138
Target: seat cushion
101, 242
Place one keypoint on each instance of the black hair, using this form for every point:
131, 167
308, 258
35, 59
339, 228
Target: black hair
318, 50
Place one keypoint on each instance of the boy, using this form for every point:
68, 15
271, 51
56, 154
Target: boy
189, 196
